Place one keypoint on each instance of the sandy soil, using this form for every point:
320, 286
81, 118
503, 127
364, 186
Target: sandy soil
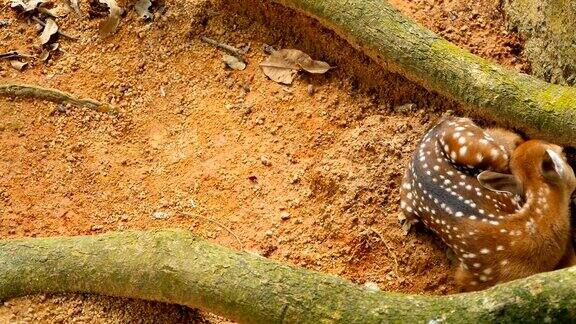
307, 174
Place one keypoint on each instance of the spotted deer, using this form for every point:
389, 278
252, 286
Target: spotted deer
500, 226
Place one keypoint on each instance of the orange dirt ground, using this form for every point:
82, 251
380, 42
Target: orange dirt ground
306, 174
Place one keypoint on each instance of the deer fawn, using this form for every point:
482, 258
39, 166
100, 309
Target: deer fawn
500, 226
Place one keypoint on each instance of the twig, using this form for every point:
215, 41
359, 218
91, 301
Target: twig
219, 224
388, 248
14, 55
228, 48
43, 24
57, 96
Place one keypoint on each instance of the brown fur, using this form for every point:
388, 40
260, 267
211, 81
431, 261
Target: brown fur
544, 222
495, 237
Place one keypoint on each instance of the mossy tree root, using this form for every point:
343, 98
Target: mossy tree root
489, 91
27, 91
176, 267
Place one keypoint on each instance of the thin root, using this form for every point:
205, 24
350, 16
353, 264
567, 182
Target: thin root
389, 250
219, 224
57, 96
238, 53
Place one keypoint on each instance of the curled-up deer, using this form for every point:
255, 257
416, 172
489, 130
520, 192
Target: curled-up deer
501, 226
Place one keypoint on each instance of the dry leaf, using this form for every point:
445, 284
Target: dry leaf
46, 52
306, 62
44, 55
108, 26
233, 62
281, 66
142, 8
25, 6
18, 4
316, 67
74, 5
18, 65
56, 12
49, 29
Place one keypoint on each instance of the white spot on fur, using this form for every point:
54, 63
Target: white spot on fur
494, 153
479, 157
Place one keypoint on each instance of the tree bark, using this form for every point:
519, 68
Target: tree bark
540, 109
550, 40
176, 267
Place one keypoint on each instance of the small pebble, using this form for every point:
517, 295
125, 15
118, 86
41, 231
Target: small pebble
265, 161
160, 215
97, 227
371, 286
285, 216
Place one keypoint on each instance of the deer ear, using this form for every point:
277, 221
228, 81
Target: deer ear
500, 182
553, 166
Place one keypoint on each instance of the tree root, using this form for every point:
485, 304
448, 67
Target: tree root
540, 109
34, 92
176, 267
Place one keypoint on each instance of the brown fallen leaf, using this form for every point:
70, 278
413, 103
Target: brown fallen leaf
315, 67
74, 5
282, 65
49, 29
46, 52
142, 8
109, 26
17, 65
44, 55
56, 12
233, 62
25, 7
18, 4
